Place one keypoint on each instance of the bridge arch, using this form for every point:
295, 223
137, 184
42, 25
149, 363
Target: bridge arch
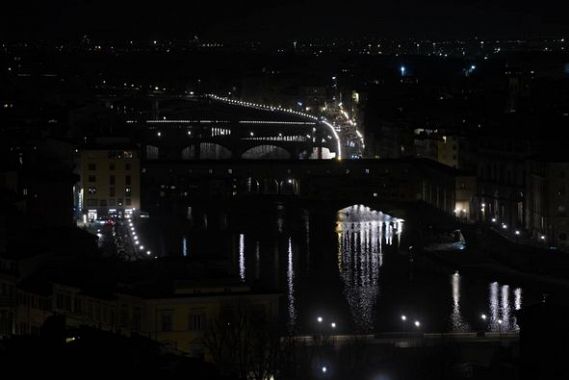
188, 152
152, 152
266, 152
270, 186
213, 151
250, 186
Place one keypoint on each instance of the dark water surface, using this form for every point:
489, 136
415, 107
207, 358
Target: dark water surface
352, 268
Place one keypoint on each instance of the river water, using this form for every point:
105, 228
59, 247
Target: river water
353, 269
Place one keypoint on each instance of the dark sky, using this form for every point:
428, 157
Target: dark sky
282, 19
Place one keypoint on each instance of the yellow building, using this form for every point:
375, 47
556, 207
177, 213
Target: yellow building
110, 182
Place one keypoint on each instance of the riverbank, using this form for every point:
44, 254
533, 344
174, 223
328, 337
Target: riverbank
490, 255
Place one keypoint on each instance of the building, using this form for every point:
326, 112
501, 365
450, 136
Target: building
547, 200
110, 181
171, 301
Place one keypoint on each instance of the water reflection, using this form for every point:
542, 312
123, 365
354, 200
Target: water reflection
502, 318
361, 232
290, 285
457, 322
242, 257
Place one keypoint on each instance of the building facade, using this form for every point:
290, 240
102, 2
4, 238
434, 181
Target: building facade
110, 182
547, 201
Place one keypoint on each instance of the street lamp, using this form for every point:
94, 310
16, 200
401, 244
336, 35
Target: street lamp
417, 324
403, 317
333, 325
324, 369
319, 319
484, 317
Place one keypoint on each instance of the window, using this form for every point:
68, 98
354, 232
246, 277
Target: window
127, 166
92, 190
197, 321
112, 180
127, 190
127, 180
166, 320
111, 166
92, 166
127, 202
111, 191
92, 178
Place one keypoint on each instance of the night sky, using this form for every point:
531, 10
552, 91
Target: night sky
279, 19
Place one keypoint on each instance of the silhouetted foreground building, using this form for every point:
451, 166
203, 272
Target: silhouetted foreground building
544, 342
172, 301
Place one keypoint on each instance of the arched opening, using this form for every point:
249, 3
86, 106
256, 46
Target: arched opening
152, 152
289, 186
250, 186
266, 152
188, 152
270, 186
212, 151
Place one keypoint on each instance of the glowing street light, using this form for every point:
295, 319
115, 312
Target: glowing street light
484, 317
403, 317
319, 319
417, 324
333, 325
324, 369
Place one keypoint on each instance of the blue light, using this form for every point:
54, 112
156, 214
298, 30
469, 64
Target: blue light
473, 67
403, 69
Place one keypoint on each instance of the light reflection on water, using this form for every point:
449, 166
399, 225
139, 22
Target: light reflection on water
374, 282
457, 322
290, 285
361, 232
242, 257
500, 305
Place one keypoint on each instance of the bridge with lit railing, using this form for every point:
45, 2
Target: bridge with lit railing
216, 128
